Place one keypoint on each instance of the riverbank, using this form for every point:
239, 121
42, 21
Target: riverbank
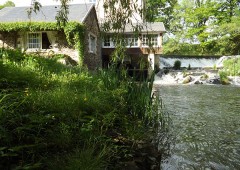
55, 116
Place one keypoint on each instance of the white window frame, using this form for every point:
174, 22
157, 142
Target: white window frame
107, 40
145, 40
91, 48
132, 41
30, 45
152, 39
112, 43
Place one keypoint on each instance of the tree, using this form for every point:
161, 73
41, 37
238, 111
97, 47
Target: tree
228, 9
204, 27
7, 4
160, 10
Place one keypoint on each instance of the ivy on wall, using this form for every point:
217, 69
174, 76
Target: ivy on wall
75, 36
74, 32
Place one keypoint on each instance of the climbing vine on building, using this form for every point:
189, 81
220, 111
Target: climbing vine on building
74, 32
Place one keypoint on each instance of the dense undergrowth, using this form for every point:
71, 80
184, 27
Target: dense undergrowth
54, 116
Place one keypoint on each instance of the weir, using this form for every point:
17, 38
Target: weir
167, 61
203, 70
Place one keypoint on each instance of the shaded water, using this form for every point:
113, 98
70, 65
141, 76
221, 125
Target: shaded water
206, 127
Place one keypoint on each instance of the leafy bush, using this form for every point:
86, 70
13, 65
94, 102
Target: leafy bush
232, 66
224, 77
177, 65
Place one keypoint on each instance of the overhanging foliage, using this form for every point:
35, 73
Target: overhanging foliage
28, 26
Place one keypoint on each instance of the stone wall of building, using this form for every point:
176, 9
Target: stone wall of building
8, 39
92, 60
62, 47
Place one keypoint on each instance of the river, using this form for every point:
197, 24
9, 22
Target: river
205, 127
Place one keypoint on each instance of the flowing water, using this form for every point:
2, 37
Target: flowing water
185, 62
197, 62
205, 127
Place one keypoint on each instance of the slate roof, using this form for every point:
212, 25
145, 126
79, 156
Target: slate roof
77, 12
144, 27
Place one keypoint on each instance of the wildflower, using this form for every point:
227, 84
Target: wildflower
26, 91
85, 99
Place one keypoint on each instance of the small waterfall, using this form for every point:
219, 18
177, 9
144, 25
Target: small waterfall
164, 63
185, 62
194, 62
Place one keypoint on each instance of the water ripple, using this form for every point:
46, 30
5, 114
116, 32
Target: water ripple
206, 127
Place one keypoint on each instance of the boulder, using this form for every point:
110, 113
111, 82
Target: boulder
204, 77
214, 81
160, 73
198, 82
187, 80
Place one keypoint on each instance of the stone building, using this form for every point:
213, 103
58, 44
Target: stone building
45, 39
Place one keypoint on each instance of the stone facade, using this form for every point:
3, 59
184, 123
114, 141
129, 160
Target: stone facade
92, 59
8, 39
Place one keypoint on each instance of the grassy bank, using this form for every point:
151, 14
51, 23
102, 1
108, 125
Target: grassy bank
54, 116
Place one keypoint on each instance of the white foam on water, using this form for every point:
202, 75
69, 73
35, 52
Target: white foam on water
195, 62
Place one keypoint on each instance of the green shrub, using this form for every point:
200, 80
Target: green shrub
214, 67
224, 78
232, 66
177, 65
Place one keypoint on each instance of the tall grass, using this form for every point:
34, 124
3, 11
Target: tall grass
53, 114
232, 67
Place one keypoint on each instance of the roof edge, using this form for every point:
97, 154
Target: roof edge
90, 9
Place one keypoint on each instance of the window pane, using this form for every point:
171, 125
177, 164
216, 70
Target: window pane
92, 45
34, 40
107, 42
